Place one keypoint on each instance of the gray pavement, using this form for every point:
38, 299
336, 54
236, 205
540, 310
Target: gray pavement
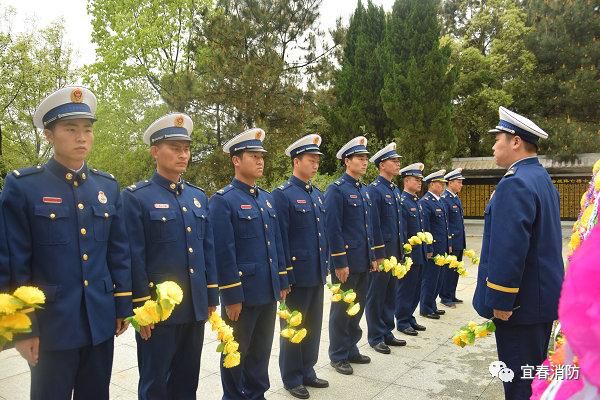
429, 367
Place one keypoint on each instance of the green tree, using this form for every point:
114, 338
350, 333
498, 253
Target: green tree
563, 95
419, 81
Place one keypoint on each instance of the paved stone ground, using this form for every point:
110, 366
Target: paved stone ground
429, 367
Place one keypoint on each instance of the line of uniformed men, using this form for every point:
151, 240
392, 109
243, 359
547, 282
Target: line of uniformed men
95, 252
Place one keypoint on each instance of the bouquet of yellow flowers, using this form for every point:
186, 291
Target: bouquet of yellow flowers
168, 295
472, 255
399, 270
467, 334
420, 238
228, 346
347, 296
452, 262
293, 319
14, 309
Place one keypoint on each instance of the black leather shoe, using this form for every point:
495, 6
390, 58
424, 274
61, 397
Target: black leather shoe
449, 305
431, 316
410, 331
360, 359
458, 301
317, 383
382, 348
418, 327
299, 392
440, 312
343, 367
392, 341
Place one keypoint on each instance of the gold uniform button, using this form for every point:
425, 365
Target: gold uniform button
189, 229
262, 209
270, 260
83, 231
190, 250
150, 284
69, 176
268, 242
52, 216
191, 270
106, 215
240, 272
320, 249
318, 219
85, 283
80, 206
85, 257
83, 176
184, 209
163, 219
251, 190
319, 234
293, 258
173, 186
75, 183
266, 226
346, 246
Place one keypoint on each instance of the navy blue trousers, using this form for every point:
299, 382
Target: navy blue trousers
520, 345
83, 373
169, 362
344, 330
297, 361
408, 293
380, 308
430, 287
254, 332
450, 280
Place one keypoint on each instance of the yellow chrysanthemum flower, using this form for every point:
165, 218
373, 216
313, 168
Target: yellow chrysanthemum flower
171, 291
6, 335
422, 236
387, 265
299, 336
16, 321
393, 260
469, 253
353, 310
408, 262
336, 297
30, 295
428, 238
350, 297
472, 325
147, 314
335, 288
225, 333
481, 331
232, 360
475, 260
407, 248
166, 308
8, 304
231, 347
295, 320
214, 318
288, 333
454, 263
284, 314
440, 261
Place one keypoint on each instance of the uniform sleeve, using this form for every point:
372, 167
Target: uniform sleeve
134, 223
281, 260
210, 265
404, 224
447, 208
333, 226
119, 261
19, 244
283, 215
228, 274
427, 215
4, 268
378, 247
511, 224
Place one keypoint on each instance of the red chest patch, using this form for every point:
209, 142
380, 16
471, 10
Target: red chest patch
52, 200
245, 206
353, 196
301, 201
161, 205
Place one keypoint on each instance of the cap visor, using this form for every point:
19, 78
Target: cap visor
78, 116
177, 138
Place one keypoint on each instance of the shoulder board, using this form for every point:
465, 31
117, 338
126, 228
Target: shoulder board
28, 171
225, 189
511, 171
102, 173
339, 181
284, 186
138, 185
194, 186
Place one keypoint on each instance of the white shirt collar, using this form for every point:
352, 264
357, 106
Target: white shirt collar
434, 195
526, 158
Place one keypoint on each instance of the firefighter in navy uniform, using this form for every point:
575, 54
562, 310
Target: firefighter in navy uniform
456, 226
408, 292
521, 270
67, 237
381, 295
301, 214
349, 220
251, 265
171, 239
435, 218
